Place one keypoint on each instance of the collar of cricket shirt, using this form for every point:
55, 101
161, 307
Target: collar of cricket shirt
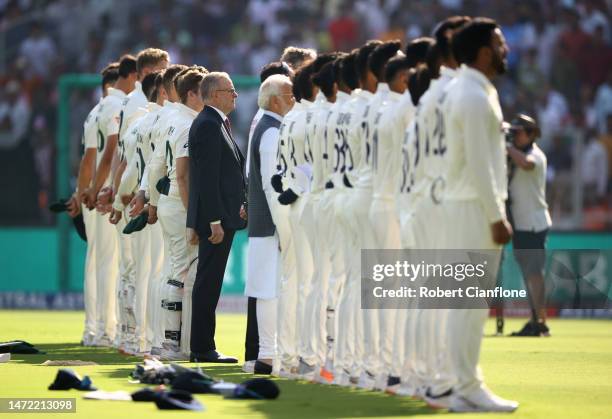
182, 108
115, 92
382, 88
342, 96
152, 107
447, 72
477, 76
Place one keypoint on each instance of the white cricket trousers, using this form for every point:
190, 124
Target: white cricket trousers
313, 346
89, 284
465, 326
173, 218
286, 298
107, 274
348, 343
358, 205
329, 224
292, 296
386, 227
431, 350
125, 283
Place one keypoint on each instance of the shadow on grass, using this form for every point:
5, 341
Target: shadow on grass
299, 399
74, 351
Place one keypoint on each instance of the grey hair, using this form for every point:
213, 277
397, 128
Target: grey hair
271, 87
211, 83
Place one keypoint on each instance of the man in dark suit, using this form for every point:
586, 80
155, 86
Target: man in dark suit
216, 197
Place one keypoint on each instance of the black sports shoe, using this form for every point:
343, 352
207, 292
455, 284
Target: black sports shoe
544, 330
527, 330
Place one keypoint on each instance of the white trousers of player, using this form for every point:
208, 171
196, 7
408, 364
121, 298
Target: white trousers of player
313, 346
348, 343
89, 284
173, 218
363, 234
329, 224
286, 318
465, 326
154, 326
386, 226
310, 330
125, 283
107, 273
407, 320
154, 248
431, 349
292, 300
186, 313
372, 318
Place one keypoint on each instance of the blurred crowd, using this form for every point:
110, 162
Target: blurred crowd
560, 72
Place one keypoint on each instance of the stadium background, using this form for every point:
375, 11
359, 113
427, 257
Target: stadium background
560, 71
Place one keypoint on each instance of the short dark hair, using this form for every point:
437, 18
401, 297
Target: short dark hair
394, 66
188, 81
169, 75
348, 72
150, 57
440, 34
127, 65
470, 38
275, 67
417, 49
194, 67
325, 79
441, 50
302, 85
418, 83
148, 86
361, 62
159, 79
110, 74
381, 55
296, 57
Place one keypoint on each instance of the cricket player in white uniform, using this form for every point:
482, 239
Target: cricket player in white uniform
147, 61
312, 349
86, 172
430, 352
172, 212
167, 96
155, 169
475, 193
296, 184
100, 193
329, 224
132, 299
291, 145
373, 375
392, 118
349, 352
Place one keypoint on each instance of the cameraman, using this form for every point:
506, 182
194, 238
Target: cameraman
529, 215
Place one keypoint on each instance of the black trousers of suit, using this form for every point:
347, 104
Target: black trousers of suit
212, 260
251, 343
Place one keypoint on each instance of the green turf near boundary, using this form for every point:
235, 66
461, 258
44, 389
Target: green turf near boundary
566, 376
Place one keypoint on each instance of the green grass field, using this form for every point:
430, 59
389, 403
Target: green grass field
566, 376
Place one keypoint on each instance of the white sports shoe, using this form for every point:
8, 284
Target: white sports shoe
167, 355
103, 340
89, 339
366, 381
248, 367
342, 379
438, 401
482, 400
